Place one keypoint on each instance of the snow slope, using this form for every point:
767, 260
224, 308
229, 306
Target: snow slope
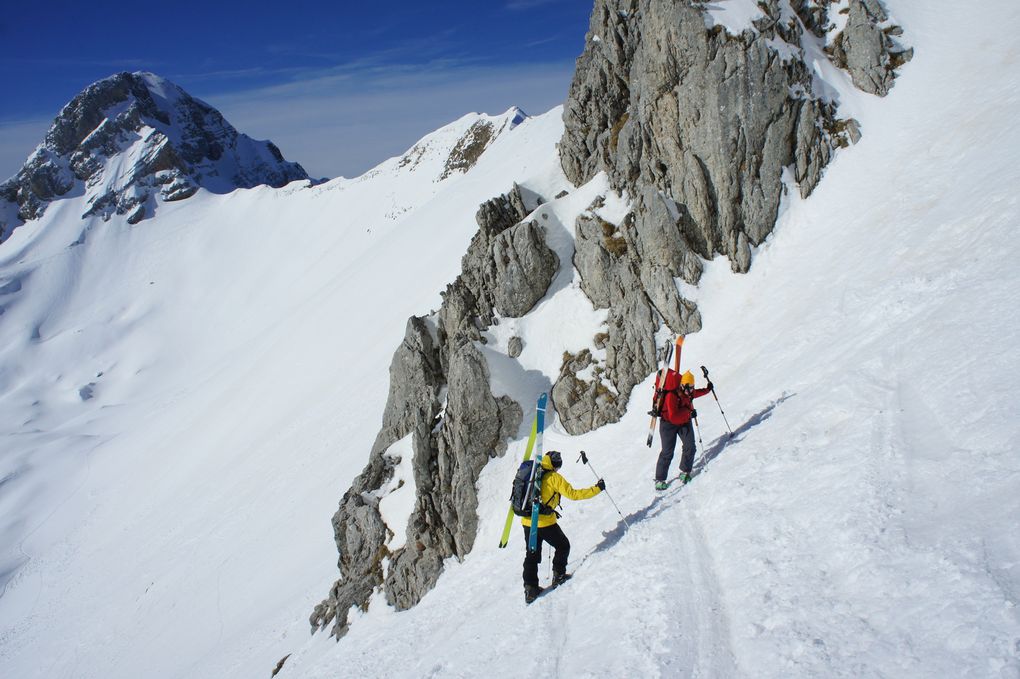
862, 522
183, 402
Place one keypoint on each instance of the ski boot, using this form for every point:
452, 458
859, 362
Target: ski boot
560, 578
661, 485
531, 593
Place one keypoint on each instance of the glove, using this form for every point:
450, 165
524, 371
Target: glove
601, 484
694, 414
710, 387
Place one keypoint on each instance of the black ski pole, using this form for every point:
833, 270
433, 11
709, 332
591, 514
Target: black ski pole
694, 416
704, 370
584, 458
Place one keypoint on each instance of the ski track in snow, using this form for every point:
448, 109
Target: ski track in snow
658, 598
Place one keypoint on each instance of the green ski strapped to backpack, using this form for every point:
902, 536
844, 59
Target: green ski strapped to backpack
510, 512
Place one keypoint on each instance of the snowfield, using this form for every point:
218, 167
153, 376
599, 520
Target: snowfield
183, 403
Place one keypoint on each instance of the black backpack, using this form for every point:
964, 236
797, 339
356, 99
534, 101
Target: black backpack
521, 495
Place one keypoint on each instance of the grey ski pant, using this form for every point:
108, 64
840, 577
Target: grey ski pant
668, 434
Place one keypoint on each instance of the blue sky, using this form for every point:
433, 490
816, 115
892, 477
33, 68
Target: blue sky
338, 86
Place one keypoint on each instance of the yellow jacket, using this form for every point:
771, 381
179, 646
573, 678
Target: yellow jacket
553, 487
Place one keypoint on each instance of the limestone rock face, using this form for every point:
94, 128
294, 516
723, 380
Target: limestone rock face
474, 428
696, 126
361, 534
508, 267
700, 123
178, 144
632, 275
705, 120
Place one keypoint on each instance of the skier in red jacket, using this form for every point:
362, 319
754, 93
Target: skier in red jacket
675, 420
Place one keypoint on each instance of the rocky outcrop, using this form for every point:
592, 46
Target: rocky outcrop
360, 532
174, 144
696, 119
470, 147
631, 275
866, 47
700, 123
474, 428
507, 268
696, 125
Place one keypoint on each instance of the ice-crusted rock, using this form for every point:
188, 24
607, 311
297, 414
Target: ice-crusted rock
174, 144
507, 268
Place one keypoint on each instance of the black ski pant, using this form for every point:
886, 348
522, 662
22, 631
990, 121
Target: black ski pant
668, 433
557, 540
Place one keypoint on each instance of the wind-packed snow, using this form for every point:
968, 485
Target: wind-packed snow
183, 403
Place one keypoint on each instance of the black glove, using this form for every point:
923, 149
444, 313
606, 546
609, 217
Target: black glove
710, 387
601, 484
694, 414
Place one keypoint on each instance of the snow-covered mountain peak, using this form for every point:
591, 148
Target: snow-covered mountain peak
455, 148
134, 138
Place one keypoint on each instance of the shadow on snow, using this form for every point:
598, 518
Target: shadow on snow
611, 537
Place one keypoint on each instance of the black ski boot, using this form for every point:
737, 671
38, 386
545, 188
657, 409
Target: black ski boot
560, 578
531, 593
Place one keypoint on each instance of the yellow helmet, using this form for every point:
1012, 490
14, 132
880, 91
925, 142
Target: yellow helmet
687, 378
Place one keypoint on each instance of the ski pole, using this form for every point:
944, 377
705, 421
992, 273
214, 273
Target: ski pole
705, 371
584, 458
701, 445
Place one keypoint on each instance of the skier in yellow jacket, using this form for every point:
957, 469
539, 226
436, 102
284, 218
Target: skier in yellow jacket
554, 487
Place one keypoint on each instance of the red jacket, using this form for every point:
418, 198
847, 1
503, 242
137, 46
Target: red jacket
677, 407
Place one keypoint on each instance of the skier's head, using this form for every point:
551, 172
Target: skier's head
555, 458
687, 381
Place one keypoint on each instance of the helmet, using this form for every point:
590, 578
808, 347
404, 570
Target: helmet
555, 458
687, 379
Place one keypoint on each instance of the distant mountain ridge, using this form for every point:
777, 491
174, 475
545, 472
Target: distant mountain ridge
132, 139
